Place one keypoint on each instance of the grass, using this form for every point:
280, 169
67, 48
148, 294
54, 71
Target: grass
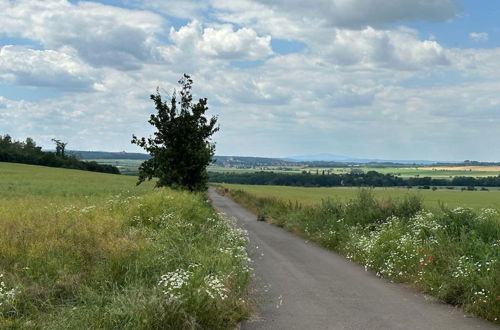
431, 199
436, 172
126, 166
450, 253
82, 250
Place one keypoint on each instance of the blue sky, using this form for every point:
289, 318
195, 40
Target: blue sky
364, 78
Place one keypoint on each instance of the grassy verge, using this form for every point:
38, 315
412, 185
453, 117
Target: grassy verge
310, 196
82, 250
452, 254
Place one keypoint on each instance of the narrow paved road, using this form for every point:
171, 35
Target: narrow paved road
299, 285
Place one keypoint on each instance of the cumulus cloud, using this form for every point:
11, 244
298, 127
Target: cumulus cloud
100, 34
177, 8
44, 68
304, 21
396, 49
362, 13
222, 42
356, 77
479, 36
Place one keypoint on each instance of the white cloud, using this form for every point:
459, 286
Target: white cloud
44, 68
362, 13
102, 35
359, 87
187, 9
222, 42
305, 21
479, 36
394, 49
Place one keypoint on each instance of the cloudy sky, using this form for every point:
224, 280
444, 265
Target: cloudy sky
392, 79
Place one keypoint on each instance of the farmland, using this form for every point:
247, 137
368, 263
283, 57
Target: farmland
84, 250
438, 172
126, 166
431, 199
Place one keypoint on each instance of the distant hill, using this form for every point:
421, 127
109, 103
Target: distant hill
108, 155
238, 161
346, 159
315, 160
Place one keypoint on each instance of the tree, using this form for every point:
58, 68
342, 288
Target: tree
60, 147
181, 148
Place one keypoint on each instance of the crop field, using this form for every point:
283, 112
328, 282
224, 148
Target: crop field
431, 199
126, 166
85, 250
404, 172
430, 171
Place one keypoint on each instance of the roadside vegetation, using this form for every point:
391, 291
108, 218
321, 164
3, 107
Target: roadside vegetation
431, 199
82, 250
450, 253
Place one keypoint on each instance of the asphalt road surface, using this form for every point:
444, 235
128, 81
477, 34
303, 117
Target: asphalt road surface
299, 285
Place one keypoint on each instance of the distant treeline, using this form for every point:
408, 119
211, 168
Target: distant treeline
369, 179
107, 155
29, 153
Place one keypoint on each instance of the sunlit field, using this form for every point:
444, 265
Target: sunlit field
431, 199
437, 172
83, 250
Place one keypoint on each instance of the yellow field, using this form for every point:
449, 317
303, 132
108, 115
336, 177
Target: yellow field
462, 168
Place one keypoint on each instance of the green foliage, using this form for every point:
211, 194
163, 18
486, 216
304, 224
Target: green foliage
83, 250
29, 153
181, 148
453, 254
355, 178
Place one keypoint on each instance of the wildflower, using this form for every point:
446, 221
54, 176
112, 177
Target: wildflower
174, 282
422, 250
6, 295
215, 287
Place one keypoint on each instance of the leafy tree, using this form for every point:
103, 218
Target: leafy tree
181, 148
60, 147
29, 153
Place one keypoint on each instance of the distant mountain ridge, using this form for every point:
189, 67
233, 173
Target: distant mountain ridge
264, 161
346, 159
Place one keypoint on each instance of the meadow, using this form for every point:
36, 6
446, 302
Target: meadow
83, 250
431, 199
437, 172
126, 166
450, 252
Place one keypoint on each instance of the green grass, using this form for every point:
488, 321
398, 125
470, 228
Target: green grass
83, 250
452, 254
126, 166
431, 199
404, 172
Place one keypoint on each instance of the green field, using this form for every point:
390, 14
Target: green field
404, 172
431, 199
85, 250
126, 166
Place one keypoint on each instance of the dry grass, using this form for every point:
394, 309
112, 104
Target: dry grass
84, 250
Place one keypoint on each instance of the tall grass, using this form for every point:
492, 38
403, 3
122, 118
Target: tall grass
101, 254
452, 254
